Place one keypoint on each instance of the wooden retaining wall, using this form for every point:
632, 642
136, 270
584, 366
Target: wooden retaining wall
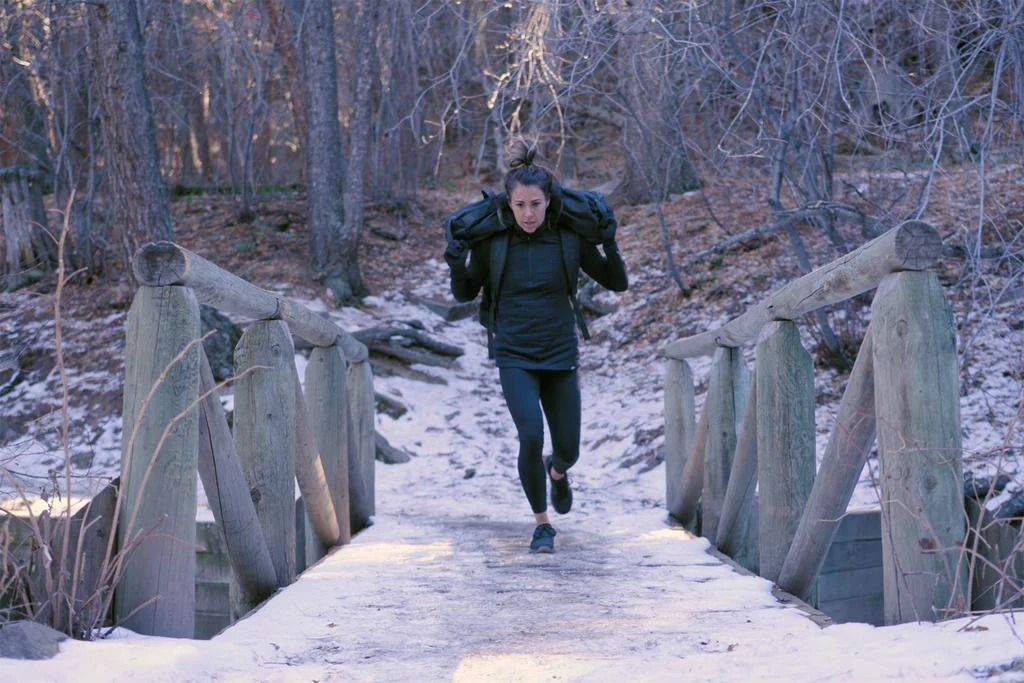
850, 582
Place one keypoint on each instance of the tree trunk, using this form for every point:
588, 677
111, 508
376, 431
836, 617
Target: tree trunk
359, 135
324, 161
25, 242
24, 155
283, 16
22, 124
654, 146
140, 211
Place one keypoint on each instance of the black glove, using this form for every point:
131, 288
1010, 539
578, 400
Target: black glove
608, 232
455, 254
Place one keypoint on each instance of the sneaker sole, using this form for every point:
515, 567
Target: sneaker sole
542, 551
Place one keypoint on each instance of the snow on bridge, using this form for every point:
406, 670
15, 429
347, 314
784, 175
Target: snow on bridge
435, 591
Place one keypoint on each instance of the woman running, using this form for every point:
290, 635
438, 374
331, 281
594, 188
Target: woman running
529, 274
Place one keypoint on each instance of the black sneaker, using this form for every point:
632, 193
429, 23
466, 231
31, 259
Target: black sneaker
561, 493
543, 539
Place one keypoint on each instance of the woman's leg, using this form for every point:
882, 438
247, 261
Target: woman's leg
522, 396
560, 397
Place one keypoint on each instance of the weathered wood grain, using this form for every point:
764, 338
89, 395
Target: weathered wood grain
166, 263
917, 400
327, 401
785, 441
737, 532
692, 481
228, 495
727, 396
848, 448
264, 432
310, 473
156, 594
363, 444
680, 423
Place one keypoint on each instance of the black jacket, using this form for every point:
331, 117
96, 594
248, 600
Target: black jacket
487, 264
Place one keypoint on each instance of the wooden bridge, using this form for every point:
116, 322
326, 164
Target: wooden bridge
742, 474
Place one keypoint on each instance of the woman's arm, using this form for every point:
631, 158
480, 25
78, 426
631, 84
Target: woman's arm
609, 270
467, 280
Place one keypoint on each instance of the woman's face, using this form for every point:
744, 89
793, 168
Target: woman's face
528, 206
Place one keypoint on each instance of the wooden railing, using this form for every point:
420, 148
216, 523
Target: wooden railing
756, 430
174, 424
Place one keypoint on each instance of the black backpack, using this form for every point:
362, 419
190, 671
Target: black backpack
585, 213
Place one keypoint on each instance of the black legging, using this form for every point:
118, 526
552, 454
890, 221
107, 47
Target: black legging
558, 392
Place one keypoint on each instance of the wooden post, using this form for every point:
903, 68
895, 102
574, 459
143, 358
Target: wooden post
693, 475
362, 409
309, 470
680, 422
727, 394
264, 430
849, 444
737, 529
156, 594
785, 440
327, 402
917, 399
228, 495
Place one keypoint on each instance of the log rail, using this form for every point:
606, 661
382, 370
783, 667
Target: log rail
758, 433
321, 439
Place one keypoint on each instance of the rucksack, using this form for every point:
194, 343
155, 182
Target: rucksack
478, 220
584, 212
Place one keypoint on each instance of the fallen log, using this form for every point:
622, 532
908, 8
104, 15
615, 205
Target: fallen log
408, 345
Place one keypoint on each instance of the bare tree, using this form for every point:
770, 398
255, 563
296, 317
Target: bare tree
334, 250
650, 93
24, 153
359, 131
284, 15
140, 210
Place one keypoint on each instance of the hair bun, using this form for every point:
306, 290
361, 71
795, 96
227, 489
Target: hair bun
521, 154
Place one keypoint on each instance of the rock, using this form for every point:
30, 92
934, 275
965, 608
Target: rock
9, 431
469, 473
1012, 508
385, 234
29, 640
388, 454
219, 346
982, 487
82, 461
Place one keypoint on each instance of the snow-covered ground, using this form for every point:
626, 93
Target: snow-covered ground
465, 469
440, 589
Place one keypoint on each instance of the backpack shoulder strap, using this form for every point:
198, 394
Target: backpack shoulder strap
498, 245
571, 262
